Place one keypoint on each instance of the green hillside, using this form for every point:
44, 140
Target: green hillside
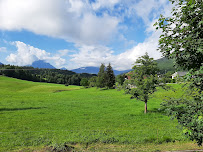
42, 115
166, 65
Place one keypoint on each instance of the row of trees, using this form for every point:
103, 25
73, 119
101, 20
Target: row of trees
43, 75
105, 78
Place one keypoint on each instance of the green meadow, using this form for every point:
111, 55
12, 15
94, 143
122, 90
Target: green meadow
37, 115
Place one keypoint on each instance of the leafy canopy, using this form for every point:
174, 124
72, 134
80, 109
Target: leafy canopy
182, 40
182, 34
143, 80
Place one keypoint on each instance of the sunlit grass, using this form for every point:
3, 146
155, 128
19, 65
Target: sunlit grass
40, 114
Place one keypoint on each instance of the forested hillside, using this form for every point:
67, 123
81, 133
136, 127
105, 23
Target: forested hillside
166, 65
43, 75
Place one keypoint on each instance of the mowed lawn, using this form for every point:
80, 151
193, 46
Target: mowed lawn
42, 114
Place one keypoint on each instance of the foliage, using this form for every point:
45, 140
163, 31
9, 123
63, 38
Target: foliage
167, 77
144, 80
101, 79
120, 79
183, 110
182, 37
43, 75
93, 81
182, 40
84, 82
189, 110
110, 77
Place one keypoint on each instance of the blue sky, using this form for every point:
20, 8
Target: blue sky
79, 33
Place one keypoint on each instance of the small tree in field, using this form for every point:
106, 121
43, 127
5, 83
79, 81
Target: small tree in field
143, 80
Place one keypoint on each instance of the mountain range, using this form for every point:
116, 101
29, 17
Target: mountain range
164, 65
41, 64
95, 70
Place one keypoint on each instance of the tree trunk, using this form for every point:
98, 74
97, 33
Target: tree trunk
145, 106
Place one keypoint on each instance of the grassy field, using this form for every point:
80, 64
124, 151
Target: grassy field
39, 115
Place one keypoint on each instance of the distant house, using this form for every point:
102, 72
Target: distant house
178, 74
128, 75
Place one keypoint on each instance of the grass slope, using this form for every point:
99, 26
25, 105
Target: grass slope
165, 65
41, 114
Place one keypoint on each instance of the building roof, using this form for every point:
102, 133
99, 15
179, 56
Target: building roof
179, 73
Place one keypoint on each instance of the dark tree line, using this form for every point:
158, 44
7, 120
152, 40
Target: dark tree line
43, 75
106, 77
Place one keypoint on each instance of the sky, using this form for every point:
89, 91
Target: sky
80, 33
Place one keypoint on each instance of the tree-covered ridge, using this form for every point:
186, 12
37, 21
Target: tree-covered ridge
165, 65
43, 75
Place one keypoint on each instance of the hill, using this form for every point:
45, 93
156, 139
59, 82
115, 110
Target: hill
95, 70
1, 63
63, 68
43, 75
166, 65
41, 64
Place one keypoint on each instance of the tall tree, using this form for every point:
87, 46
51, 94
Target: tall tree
182, 40
143, 80
101, 79
110, 77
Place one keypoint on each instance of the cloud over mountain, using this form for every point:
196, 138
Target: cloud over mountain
95, 28
26, 55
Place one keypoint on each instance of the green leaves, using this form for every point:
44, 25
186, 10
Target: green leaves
143, 80
182, 40
183, 34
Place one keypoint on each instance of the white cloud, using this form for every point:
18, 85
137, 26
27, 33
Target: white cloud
126, 60
3, 49
90, 56
64, 52
104, 4
26, 55
76, 21
72, 20
95, 55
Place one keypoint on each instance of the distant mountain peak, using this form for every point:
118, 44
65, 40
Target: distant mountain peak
63, 68
1, 63
41, 64
95, 70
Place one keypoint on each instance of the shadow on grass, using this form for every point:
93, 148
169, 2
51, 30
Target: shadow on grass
156, 110
56, 91
17, 109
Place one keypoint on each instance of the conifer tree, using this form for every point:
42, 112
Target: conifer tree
110, 81
101, 79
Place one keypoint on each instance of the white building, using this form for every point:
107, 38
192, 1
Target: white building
178, 74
